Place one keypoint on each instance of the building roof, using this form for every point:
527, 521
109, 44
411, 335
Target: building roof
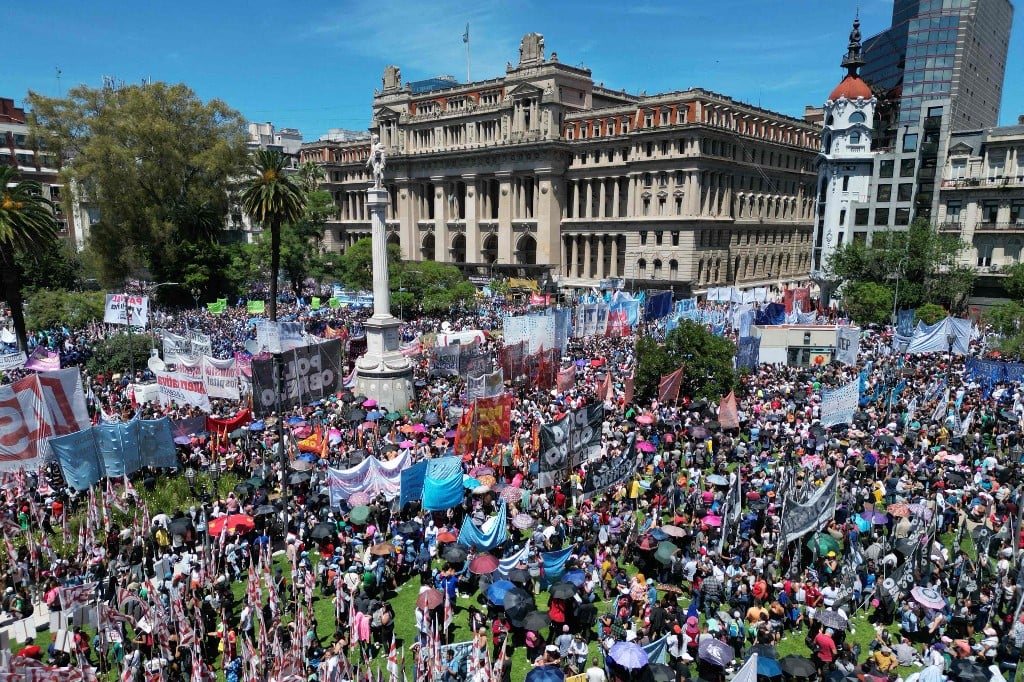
851, 87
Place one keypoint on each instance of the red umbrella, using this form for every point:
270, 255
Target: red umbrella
429, 598
483, 564
240, 523
446, 537
645, 419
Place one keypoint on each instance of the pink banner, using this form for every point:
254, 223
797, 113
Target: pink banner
43, 360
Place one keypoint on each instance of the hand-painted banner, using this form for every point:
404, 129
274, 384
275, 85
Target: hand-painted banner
569, 441
371, 476
608, 472
839, 404
179, 388
35, 409
176, 347
493, 420
221, 378
11, 361
122, 309
847, 344
200, 344
485, 385
444, 361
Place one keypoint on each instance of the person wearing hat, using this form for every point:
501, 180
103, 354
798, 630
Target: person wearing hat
885, 659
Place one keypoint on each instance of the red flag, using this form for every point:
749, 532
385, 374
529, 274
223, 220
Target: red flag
566, 379
628, 389
728, 414
668, 387
607, 391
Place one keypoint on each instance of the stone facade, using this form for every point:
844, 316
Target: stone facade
542, 172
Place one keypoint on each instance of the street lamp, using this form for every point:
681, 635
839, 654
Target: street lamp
190, 478
950, 339
195, 296
896, 296
215, 475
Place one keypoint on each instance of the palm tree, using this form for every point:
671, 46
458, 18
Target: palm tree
311, 174
272, 199
26, 222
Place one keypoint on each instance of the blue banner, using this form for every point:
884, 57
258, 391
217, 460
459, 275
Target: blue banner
554, 565
658, 305
442, 484
412, 483
773, 313
493, 533
114, 450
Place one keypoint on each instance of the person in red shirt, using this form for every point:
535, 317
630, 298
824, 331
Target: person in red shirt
813, 595
31, 650
825, 652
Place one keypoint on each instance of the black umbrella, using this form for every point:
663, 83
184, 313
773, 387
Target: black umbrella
967, 671
360, 399
322, 531
955, 479
764, 651
797, 666
519, 576
886, 439
562, 590
517, 602
536, 621
180, 526
265, 510
409, 528
833, 619
661, 672
356, 415
244, 489
298, 478
455, 554
347, 397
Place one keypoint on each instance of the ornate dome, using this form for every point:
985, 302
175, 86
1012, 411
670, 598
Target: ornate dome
851, 87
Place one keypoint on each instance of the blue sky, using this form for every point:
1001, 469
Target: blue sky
313, 65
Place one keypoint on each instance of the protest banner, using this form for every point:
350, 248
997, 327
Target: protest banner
124, 309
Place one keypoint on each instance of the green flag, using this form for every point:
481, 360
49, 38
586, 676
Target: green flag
215, 308
223, 302
314, 303
332, 302
256, 307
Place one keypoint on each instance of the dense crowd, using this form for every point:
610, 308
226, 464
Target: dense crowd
662, 560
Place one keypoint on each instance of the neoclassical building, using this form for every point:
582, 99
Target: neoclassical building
545, 173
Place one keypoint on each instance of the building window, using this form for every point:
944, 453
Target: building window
673, 269
905, 191
857, 117
1017, 212
910, 142
854, 138
996, 161
907, 168
860, 216
643, 237
846, 183
957, 169
647, 207
989, 212
641, 265
842, 217
984, 255
902, 216
881, 216
658, 234
953, 210
884, 193
675, 237
647, 179
885, 169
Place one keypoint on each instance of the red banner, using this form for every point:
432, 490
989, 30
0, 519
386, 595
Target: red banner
802, 300
728, 414
465, 436
566, 379
222, 427
494, 420
627, 387
36, 409
787, 300
668, 387
618, 323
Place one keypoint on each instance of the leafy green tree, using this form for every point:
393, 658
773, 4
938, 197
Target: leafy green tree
1014, 281
930, 313
924, 261
272, 199
53, 308
26, 224
354, 267
430, 287
154, 159
57, 267
867, 302
707, 362
118, 353
1006, 319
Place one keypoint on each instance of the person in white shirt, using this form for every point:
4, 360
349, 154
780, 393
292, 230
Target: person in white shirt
595, 673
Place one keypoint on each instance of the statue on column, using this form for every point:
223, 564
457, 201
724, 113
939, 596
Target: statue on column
377, 161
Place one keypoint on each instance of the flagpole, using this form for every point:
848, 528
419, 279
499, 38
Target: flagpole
465, 39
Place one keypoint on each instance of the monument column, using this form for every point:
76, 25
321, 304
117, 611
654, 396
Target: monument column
382, 373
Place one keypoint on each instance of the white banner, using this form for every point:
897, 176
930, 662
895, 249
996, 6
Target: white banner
839, 404
181, 389
36, 408
221, 378
176, 347
847, 344
281, 336
200, 344
13, 360
122, 309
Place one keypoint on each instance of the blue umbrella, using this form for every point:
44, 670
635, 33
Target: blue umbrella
876, 517
863, 525
658, 534
496, 592
374, 415
577, 578
307, 456
628, 655
468, 482
293, 421
546, 673
768, 667
257, 426
431, 418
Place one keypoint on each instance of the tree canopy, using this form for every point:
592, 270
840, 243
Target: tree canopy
154, 159
922, 260
707, 362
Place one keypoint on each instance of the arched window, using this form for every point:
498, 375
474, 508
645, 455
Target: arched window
673, 269
641, 266
857, 117
855, 138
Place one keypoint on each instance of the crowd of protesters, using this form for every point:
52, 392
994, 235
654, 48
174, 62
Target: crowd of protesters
909, 466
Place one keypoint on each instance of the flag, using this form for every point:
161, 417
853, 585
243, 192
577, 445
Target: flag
627, 387
728, 414
748, 673
256, 307
449, 612
966, 424
668, 387
465, 36
314, 303
940, 410
393, 661
607, 389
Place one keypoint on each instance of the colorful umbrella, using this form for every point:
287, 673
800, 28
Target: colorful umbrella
629, 655
645, 419
824, 543
928, 597
899, 509
496, 592
235, 523
369, 402
359, 514
359, 498
430, 598
522, 520
446, 536
645, 446
483, 564
406, 444
712, 520
382, 549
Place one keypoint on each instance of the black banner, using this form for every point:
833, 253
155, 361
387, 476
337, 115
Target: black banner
474, 361
799, 519
898, 585
609, 472
310, 373
568, 442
